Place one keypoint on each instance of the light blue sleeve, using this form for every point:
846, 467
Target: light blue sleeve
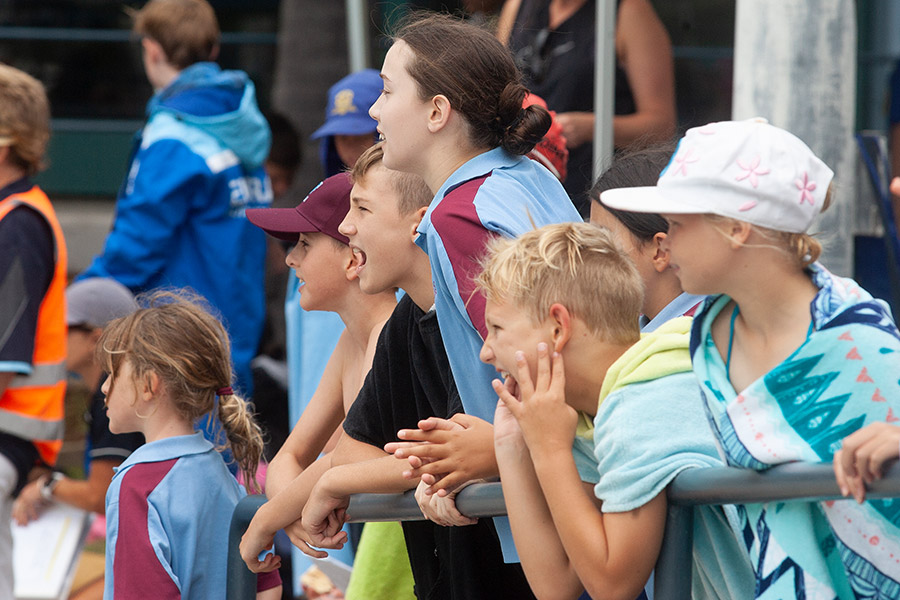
647, 433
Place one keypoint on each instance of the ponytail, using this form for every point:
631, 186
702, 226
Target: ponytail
520, 129
244, 436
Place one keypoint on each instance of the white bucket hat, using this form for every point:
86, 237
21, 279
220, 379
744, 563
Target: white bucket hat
746, 170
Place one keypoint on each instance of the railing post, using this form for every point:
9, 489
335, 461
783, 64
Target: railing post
672, 577
240, 583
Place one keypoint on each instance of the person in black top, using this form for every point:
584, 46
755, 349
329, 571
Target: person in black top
554, 45
91, 305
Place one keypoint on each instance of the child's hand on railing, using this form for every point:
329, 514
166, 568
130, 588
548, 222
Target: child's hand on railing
442, 509
862, 457
323, 517
447, 453
254, 546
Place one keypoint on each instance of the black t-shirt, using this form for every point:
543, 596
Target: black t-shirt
102, 443
27, 263
411, 380
558, 65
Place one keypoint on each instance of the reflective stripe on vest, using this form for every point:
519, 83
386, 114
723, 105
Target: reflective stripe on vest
29, 428
31, 407
41, 376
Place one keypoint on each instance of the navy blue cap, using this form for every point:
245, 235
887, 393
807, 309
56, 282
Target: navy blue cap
349, 101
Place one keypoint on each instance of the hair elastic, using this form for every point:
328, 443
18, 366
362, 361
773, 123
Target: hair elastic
225, 391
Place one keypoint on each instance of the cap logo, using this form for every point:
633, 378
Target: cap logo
806, 188
751, 171
343, 103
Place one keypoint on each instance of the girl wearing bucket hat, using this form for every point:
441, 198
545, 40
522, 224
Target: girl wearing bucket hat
791, 358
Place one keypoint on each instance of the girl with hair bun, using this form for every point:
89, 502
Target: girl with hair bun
451, 111
791, 359
170, 502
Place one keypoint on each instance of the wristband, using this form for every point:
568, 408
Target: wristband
49, 484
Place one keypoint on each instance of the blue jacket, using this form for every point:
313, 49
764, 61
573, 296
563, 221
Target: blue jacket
196, 166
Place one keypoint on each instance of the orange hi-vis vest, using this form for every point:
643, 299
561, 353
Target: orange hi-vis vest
31, 408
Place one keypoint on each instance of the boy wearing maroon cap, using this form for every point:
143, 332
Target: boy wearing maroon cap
327, 270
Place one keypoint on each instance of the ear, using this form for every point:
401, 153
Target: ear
561, 322
350, 264
152, 49
150, 386
418, 215
738, 232
660, 251
214, 54
4, 154
439, 113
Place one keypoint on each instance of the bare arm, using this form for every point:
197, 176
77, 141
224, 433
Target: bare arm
507, 20
645, 51
316, 425
380, 473
543, 557
612, 553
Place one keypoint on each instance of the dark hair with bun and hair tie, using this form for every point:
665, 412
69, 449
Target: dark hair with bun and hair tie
479, 78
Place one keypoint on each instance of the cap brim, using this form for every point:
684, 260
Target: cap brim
357, 126
282, 223
647, 199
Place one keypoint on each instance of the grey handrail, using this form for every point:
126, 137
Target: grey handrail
715, 485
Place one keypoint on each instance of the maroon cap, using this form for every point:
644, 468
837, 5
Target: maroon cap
321, 211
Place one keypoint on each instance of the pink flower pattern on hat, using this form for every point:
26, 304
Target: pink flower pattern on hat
683, 158
806, 188
751, 171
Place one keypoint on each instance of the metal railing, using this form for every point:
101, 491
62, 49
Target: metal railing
720, 485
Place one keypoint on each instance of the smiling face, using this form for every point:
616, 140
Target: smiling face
511, 330
698, 250
319, 264
401, 114
121, 394
380, 237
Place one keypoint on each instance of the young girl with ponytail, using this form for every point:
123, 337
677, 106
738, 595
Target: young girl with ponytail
451, 111
169, 504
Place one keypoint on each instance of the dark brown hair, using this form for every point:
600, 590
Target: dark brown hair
635, 168
469, 66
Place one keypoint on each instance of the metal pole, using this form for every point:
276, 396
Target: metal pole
240, 582
604, 82
357, 35
672, 576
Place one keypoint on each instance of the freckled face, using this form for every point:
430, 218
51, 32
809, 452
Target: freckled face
401, 113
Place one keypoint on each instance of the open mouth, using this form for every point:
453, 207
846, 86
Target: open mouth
380, 136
